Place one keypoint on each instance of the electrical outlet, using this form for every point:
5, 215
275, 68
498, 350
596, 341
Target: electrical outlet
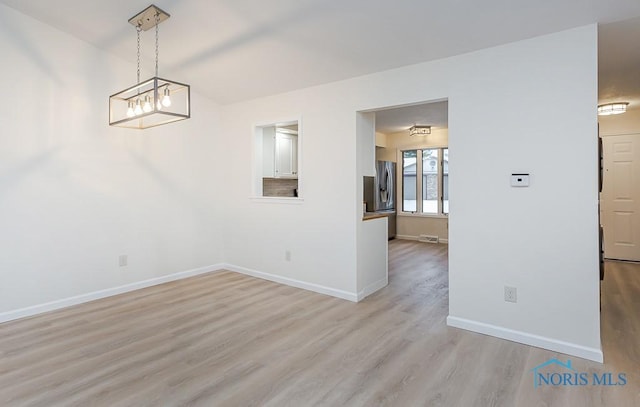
510, 294
123, 260
287, 255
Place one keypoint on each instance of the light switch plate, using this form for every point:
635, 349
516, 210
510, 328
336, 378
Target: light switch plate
519, 180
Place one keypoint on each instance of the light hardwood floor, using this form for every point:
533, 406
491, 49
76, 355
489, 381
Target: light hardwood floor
229, 340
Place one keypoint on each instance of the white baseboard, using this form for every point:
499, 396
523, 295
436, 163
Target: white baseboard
96, 295
345, 295
408, 237
528, 339
372, 288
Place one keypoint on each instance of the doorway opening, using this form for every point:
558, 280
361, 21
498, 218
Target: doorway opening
618, 58
409, 184
421, 159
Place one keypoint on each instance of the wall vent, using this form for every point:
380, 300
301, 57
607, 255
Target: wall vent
428, 239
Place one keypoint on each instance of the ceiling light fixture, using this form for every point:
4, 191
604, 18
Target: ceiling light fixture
612, 108
155, 101
419, 130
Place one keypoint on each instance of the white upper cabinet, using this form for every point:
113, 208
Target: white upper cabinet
286, 155
268, 151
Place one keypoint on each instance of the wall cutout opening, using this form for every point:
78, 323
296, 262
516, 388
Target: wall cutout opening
277, 160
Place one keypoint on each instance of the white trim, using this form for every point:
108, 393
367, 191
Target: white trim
406, 237
635, 133
416, 238
372, 288
555, 345
345, 295
277, 200
96, 295
409, 104
404, 214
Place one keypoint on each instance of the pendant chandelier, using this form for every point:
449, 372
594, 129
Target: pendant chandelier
612, 108
155, 101
417, 130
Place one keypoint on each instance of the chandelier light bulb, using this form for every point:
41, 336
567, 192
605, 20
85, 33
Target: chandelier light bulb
130, 112
166, 99
159, 104
138, 109
147, 104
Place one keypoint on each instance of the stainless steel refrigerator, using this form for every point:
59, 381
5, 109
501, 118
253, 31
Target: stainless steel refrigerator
385, 186
380, 193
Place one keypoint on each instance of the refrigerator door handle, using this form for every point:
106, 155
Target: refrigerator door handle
387, 184
390, 196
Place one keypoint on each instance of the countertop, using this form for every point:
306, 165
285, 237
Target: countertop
377, 215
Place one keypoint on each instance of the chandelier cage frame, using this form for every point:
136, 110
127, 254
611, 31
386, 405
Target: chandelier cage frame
155, 101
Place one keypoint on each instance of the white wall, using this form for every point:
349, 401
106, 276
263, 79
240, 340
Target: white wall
381, 140
366, 144
615, 125
410, 227
372, 235
373, 258
318, 230
75, 194
402, 141
541, 239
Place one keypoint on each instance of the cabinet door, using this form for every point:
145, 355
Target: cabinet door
286, 155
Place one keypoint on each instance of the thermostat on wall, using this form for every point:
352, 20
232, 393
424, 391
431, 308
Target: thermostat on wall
519, 180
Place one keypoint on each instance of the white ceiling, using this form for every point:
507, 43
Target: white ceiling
233, 50
619, 63
397, 119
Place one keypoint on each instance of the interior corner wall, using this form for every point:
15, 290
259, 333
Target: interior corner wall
543, 240
76, 194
